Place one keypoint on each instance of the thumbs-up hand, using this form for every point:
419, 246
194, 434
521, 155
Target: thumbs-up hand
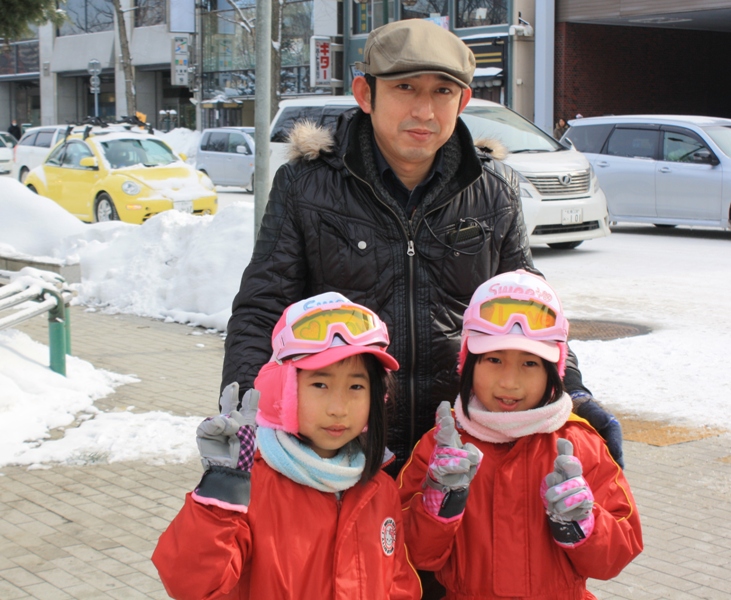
567, 498
452, 467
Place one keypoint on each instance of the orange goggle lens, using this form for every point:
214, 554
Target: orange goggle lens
500, 310
314, 327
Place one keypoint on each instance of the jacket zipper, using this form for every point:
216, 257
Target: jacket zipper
410, 253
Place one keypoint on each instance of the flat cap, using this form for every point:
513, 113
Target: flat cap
417, 47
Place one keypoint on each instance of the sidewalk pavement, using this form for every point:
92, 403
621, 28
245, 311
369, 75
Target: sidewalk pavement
89, 531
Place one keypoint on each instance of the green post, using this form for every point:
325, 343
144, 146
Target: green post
59, 335
67, 329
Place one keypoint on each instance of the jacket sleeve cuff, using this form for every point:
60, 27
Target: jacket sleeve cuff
224, 487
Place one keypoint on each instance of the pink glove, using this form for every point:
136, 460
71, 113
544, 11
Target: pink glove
567, 499
452, 467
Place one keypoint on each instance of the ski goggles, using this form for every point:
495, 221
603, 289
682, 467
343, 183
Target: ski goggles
316, 329
497, 316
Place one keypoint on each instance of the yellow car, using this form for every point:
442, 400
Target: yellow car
106, 174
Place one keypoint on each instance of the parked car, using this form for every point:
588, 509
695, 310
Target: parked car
563, 204
33, 148
7, 142
226, 155
113, 173
666, 170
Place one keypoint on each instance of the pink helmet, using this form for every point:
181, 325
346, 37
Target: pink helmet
516, 310
311, 334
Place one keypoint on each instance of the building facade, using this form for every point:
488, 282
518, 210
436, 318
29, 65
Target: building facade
46, 80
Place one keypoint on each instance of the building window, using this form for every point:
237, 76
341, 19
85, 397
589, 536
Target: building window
21, 57
369, 14
479, 13
435, 10
149, 13
87, 16
229, 51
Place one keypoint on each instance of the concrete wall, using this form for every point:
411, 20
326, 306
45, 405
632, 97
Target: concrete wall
149, 96
523, 62
70, 96
7, 111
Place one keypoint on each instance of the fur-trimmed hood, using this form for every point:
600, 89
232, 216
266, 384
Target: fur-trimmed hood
307, 141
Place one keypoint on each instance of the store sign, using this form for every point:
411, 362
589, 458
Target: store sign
179, 74
321, 61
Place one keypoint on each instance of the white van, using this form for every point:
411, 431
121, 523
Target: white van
562, 201
34, 146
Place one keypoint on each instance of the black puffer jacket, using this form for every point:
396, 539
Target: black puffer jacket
331, 226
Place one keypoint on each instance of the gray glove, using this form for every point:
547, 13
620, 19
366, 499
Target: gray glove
220, 439
452, 467
227, 444
567, 498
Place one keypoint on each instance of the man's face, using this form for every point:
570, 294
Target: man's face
413, 117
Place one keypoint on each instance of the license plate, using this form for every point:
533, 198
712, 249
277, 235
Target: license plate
184, 206
570, 216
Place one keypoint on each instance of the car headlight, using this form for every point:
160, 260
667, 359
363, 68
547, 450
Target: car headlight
525, 186
131, 188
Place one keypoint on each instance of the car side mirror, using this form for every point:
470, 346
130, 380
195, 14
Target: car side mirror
242, 149
89, 162
705, 156
183, 156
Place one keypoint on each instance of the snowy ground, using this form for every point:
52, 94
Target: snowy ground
182, 268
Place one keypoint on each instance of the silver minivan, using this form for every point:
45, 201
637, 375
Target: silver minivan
665, 170
226, 155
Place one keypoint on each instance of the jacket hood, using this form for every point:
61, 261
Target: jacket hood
307, 141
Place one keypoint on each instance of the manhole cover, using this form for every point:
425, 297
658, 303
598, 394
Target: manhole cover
584, 330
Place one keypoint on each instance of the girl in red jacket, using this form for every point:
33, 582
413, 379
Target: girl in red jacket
299, 507
548, 507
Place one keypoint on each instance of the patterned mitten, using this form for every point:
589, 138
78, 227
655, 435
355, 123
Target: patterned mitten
452, 467
227, 444
567, 499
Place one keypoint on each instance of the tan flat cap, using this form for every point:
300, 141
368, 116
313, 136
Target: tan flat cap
417, 47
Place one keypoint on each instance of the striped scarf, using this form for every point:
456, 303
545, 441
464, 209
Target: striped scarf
285, 454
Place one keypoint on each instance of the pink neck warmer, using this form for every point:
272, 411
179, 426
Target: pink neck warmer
503, 427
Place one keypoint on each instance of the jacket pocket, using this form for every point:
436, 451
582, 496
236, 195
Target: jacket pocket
347, 254
459, 256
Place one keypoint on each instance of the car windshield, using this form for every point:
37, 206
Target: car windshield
7, 140
129, 152
722, 136
516, 133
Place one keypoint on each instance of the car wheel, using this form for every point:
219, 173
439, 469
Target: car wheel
565, 245
249, 189
32, 189
23, 174
664, 226
104, 209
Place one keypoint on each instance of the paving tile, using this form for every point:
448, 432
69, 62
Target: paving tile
20, 577
8, 591
47, 591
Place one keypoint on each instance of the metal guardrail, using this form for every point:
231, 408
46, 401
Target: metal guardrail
45, 292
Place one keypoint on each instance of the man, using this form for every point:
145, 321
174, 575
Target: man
398, 211
14, 130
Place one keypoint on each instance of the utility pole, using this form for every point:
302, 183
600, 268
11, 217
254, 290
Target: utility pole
262, 108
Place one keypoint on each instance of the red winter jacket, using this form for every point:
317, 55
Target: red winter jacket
502, 547
294, 542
